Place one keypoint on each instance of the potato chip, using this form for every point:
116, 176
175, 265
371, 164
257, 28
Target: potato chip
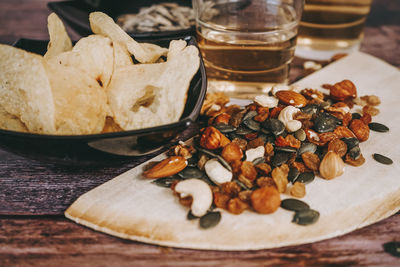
25, 90
111, 126
122, 58
11, 122
102, 24
93, 54
59, 39
80, 102
146, 95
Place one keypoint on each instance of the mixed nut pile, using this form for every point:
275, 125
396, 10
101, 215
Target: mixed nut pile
247, 157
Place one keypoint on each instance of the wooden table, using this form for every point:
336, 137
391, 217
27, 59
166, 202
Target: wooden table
33, 195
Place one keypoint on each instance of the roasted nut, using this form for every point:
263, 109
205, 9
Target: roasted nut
275, 112
265, 199
252, 154
232, 152
343, 90
181, 150
331, 166
286, 116
311, 160
291, 98
216, 172
266, 101
222, 118
313, 94
211, 138
360, 129
167, 167
237, 206
279, 174
298, 190
199, 191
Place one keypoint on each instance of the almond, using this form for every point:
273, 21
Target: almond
291, 98
167, 167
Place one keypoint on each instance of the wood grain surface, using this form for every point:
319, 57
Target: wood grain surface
33, 195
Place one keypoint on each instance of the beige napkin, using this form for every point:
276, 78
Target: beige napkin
129, 206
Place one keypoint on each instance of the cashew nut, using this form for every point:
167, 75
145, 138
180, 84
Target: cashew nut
286, 116
266, 101
280, 87
216, 172
253, 153
200, 192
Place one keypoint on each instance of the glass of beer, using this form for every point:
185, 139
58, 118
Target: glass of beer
247, 45
329, 27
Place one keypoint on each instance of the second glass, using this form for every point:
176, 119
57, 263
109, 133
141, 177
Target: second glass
247, 45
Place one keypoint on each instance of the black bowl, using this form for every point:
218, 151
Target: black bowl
108, 148
76, 14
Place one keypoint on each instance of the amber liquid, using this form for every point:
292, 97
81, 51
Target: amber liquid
333, 25
244, 62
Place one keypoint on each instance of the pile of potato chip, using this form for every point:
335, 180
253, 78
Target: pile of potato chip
94, 86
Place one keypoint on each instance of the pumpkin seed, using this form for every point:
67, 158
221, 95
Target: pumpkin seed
165, 181
190, 216
233, 135
300, 134
259, 160
265, 131
310, 109
191, 172
356, 116
274, 126
378, 127
355, 152
307, 147
220, 159
294, 204
382, 159
325, 104
325, 122
305, 177
242, 130
286, 149
225, 128
242, 185
279, 158
350, 142
192, 162
306, 217
251, 124
249, 115
293, 174
393, 248
210, 219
